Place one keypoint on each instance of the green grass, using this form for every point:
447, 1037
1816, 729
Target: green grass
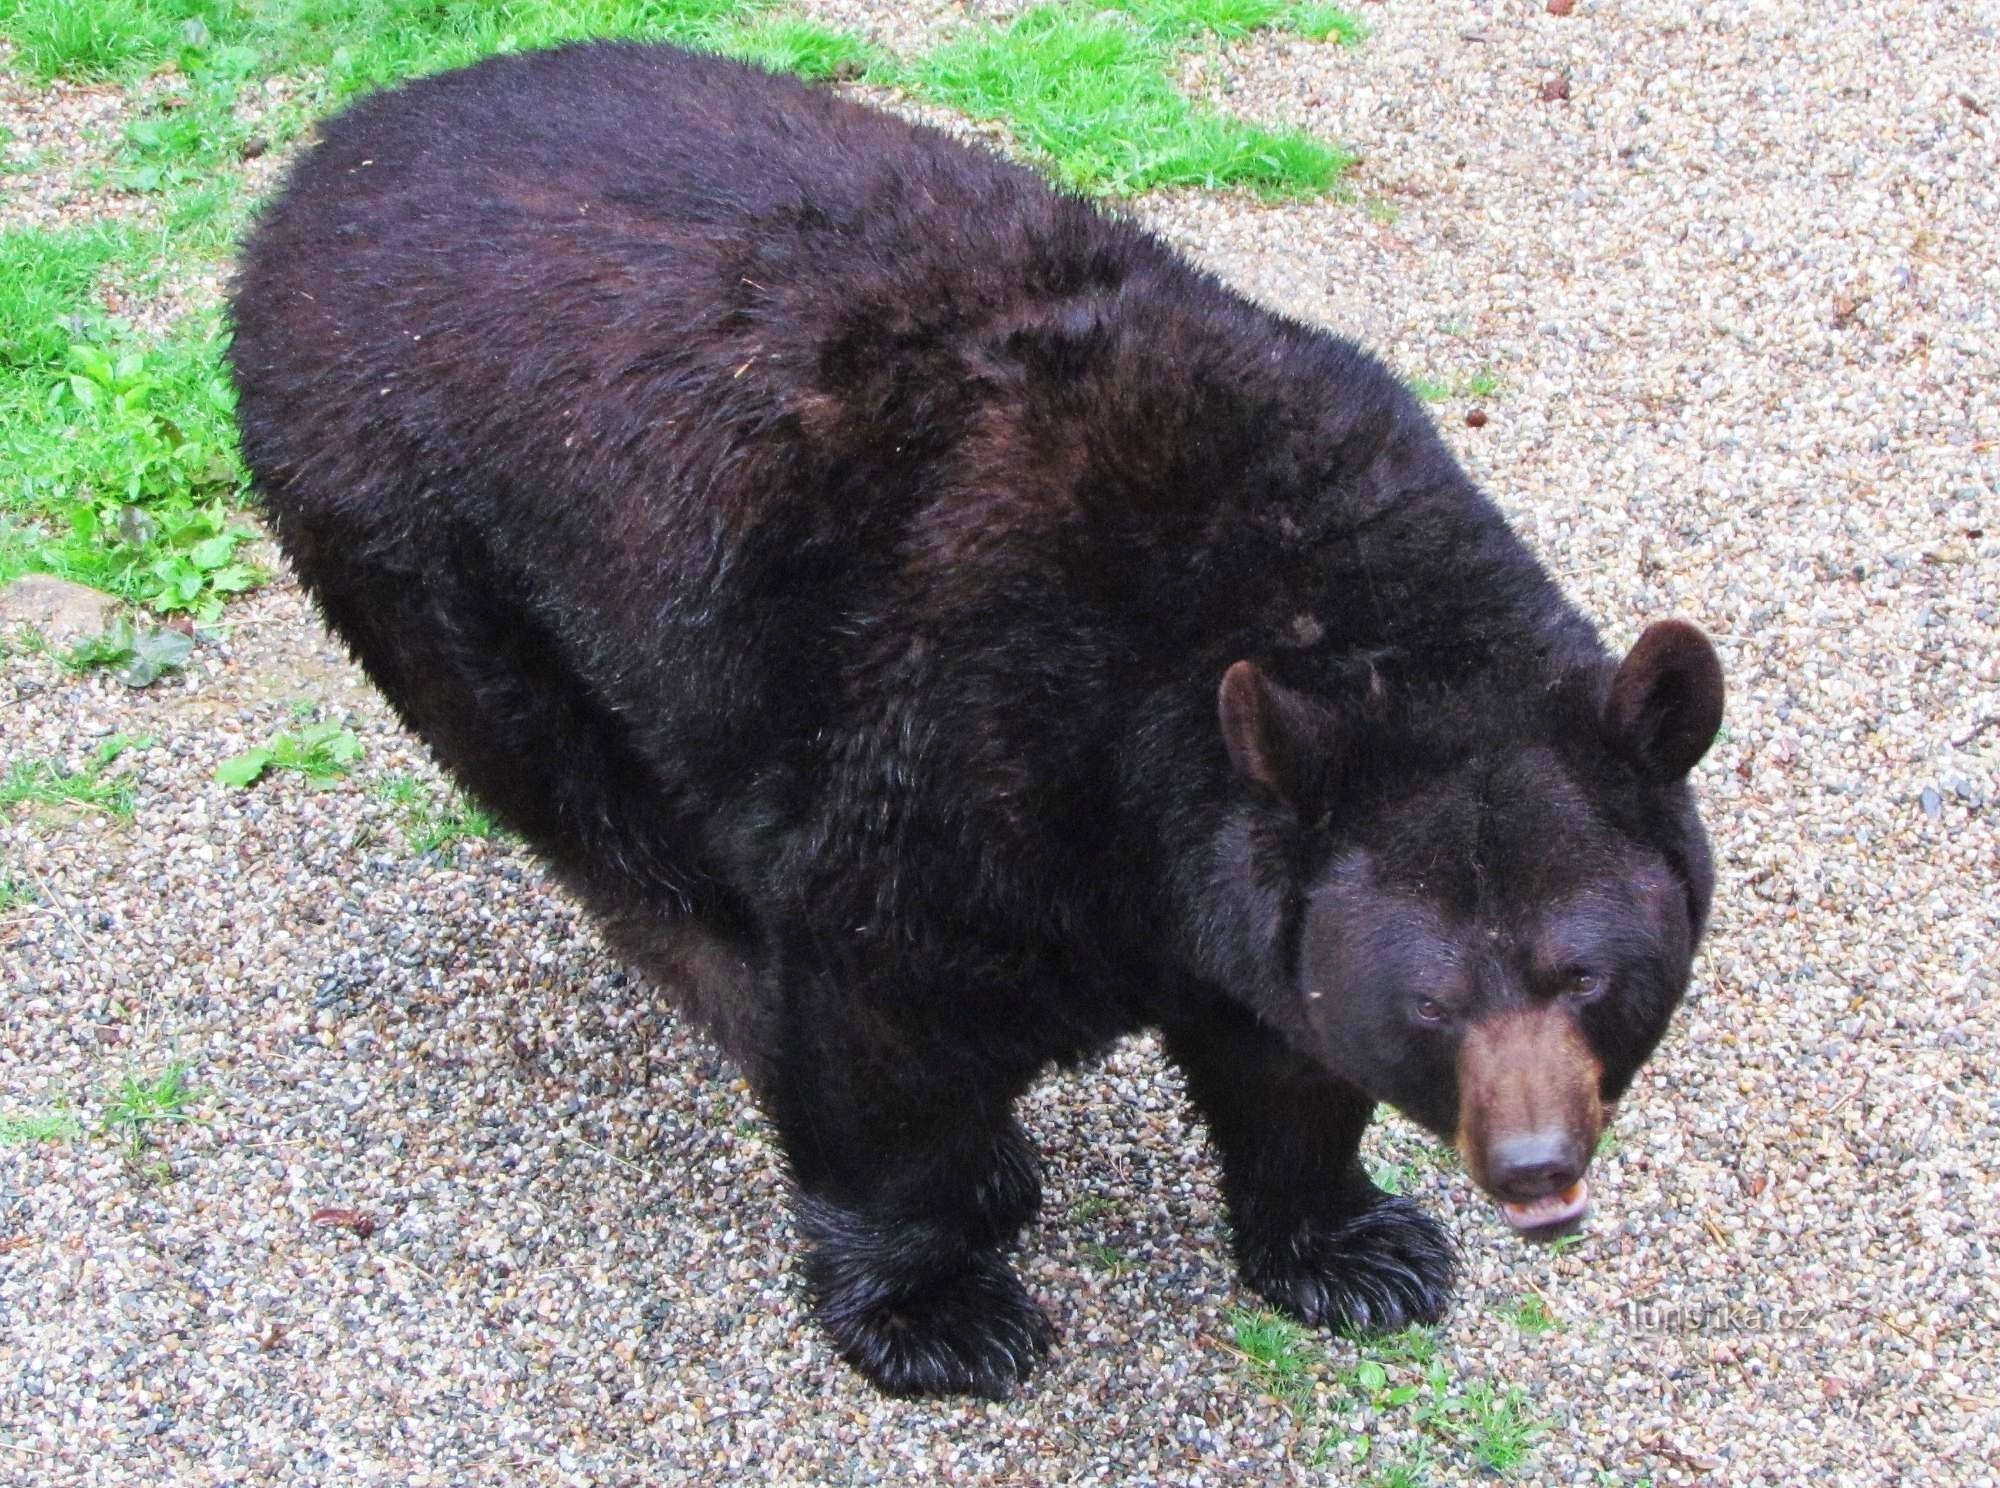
14, 893
1485, 383
1088, 90
123, 469
430, 825
139, 1103
40, 1126
322, 752
44, 783
1405, 1377
813, 51
123, 473
93, 38
1400, 1382
46, 278
1532, 1316
1276, 1351
1106, 1258
1094, 1206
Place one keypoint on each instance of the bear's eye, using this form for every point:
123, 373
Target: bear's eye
1430, 1010
1581, 984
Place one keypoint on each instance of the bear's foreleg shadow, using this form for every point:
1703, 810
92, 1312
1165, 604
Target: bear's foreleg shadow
1313, 1235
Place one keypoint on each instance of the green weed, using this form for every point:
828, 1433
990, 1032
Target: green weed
43, 783
1404, 1375
138, 1104
134, 656
123, 475
1532, 1316
1275, 1348
1084, 1210
1106, 1258
1390, 1177
322, 752
429, 825
14, 893
1483, 384
42, 1126
1413, 1473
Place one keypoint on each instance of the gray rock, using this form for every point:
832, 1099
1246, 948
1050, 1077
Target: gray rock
63, 612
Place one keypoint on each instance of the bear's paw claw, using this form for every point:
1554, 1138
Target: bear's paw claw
1384, 1269
973, 1331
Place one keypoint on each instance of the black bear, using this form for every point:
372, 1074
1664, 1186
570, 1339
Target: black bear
937, 631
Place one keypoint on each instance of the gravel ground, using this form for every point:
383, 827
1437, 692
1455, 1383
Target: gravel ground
1742, 286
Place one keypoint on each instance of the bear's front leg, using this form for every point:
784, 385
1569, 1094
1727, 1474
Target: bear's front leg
1313, 1235
912, 1177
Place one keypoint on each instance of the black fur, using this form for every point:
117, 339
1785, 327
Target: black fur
824, 544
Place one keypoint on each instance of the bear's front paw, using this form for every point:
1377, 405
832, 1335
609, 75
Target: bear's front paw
970, 1331
1379, 1269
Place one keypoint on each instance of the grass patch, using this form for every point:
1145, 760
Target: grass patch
138, 1103
40, 1126
1401, 1382
430, 825
15, 893
1404, 1378
47, 280
1106, 1258
1276, 1351
1087, 89
342, 47
1485, 383
43, 783
1532, 1316
322, 752
125, 471
93, 38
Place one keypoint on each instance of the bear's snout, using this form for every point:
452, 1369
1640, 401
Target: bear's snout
1530, 1115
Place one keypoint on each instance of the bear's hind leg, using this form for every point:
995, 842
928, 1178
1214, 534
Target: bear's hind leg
1313, 1235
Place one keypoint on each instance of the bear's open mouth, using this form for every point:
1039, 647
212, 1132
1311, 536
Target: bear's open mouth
1542, 1218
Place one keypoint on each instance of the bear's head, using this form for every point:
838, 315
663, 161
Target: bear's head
1479, 901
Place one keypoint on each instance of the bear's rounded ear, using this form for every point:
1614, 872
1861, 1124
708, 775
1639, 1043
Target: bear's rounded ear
1277, 738
1665, 703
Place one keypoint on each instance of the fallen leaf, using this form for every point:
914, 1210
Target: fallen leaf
352, 1220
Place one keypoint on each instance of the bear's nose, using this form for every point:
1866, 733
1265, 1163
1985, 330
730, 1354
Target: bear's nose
1530, 1167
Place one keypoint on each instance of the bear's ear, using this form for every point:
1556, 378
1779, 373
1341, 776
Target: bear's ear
1665, 702
1277, 738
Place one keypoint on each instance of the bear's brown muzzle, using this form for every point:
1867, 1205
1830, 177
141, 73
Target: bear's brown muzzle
1530, 1113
